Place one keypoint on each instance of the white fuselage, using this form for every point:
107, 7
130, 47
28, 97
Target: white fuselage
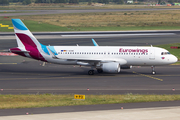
133, 55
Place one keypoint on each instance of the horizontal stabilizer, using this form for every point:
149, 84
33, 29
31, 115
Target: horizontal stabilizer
4, 50
20, 51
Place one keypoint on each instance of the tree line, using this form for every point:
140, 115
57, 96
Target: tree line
6, 2
77, 1
26, 2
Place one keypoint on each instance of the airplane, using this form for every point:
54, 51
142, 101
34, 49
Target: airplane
110, 59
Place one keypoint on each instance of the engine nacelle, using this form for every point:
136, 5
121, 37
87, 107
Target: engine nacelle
111, 67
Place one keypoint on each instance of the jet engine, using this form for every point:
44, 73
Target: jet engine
111, 67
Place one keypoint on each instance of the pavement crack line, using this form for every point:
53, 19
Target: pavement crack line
148, 76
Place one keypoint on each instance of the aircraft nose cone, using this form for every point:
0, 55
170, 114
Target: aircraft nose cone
174, 59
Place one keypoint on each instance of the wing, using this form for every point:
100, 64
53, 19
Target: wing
106, 60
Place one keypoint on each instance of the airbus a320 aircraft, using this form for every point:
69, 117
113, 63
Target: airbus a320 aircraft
103, 58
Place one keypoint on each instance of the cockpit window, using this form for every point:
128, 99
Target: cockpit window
165, 53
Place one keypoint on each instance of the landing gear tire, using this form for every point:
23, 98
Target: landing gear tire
153, 72
99, 70
91, 72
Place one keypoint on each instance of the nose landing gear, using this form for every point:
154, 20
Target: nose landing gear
99, 70
153, 70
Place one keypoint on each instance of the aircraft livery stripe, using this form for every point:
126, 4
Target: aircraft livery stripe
30, 46
44, 48
19, 24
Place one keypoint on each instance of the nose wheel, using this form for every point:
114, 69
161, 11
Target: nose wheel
99, 70
91, 72
153, 70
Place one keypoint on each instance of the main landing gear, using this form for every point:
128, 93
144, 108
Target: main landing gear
153, 71
91, 72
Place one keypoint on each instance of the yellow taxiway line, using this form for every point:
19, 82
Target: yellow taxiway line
148, 76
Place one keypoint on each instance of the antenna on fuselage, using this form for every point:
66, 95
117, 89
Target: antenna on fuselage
151, 46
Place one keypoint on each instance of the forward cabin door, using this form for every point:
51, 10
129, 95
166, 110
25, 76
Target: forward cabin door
152, 53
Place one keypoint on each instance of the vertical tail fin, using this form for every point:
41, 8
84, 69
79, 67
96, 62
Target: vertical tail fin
28, 45
23, 36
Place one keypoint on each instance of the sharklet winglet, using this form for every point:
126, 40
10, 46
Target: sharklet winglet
52, 54
94, 42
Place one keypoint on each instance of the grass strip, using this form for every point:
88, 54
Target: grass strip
177, 63
81, 5
101, 21
125, 28
33, 26
51, 100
